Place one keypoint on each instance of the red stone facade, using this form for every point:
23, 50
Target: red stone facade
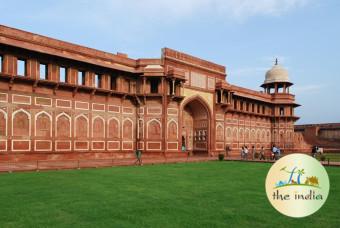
63, 101
325, 135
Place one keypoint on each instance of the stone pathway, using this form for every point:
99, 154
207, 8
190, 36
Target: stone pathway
81, 164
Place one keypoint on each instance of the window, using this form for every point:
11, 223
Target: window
21, 67
97, 80
218, 96
241, 105
252, 107
258, 108
43, 71
113, 83
282, 111
263, 110
1, 63
81, 78
247, 107
171, 88
63, 74
154, 86
235, 104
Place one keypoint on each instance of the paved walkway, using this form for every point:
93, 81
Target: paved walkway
95, 163
80, 164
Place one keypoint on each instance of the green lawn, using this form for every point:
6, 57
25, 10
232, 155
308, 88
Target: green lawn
333, 157
211, 194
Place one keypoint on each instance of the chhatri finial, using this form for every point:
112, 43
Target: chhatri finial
276, 61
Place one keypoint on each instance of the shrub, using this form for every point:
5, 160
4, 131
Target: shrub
322, 158
221, 157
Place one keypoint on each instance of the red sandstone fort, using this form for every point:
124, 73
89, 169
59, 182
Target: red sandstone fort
64, 101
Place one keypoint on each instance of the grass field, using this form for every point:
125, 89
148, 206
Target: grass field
211, 194
333, 157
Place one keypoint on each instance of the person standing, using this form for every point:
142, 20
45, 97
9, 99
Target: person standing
138, 154
242, 153
314, 151
253, 151
246, 152
262, 154
227, 150
274, 150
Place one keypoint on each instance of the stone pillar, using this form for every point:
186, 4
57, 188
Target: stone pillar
173, 87
221, 95
276, 89
144, 83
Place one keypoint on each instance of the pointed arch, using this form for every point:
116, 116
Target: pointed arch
200, 100
228, 134
43, 124
21, 123
127, 129
241, 135
258, 135
172, 129
247, 135
81, 126
252, 135
3, 123
140, 128
113, 131
263, 135
235, 134
63, 125
268, 136
98, 127
219, 132
154, 129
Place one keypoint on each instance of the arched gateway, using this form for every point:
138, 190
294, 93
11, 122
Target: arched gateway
195, 133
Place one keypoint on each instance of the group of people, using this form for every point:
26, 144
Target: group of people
245, 152
275, 153
316, 150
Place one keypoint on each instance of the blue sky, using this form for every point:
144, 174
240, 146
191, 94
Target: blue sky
243, 35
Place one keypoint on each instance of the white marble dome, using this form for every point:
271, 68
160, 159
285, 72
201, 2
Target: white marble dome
276, 74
